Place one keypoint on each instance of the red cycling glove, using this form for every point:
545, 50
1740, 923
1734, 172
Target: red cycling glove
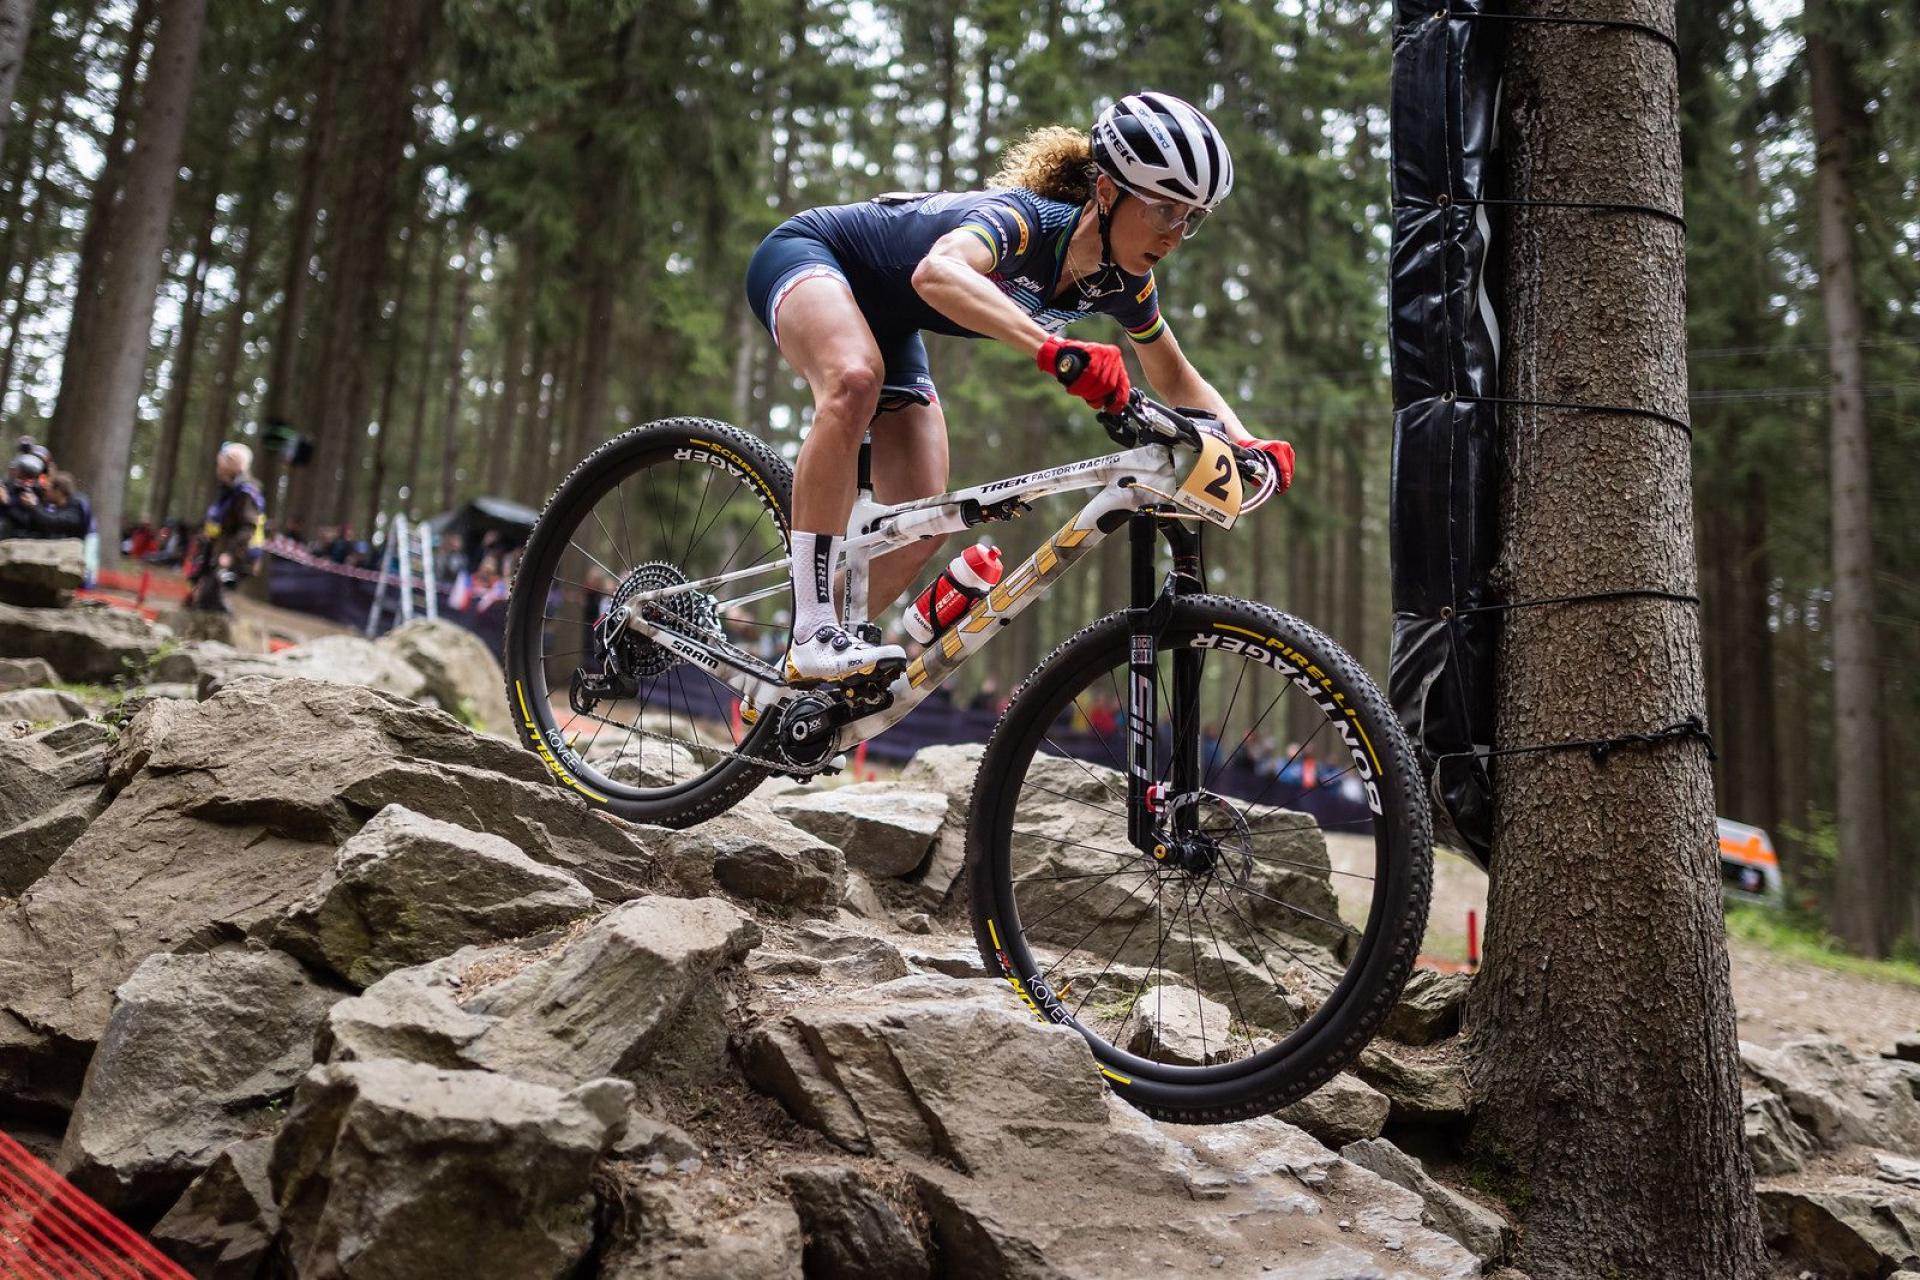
1102, 384
1281, 454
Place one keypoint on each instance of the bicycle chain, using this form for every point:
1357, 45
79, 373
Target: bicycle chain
781, 766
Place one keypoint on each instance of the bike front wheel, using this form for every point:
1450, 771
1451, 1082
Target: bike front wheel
1251, 948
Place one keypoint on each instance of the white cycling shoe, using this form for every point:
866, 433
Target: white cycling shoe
832, 655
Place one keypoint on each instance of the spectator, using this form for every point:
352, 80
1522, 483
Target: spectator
62, 513
23, 494
234, 531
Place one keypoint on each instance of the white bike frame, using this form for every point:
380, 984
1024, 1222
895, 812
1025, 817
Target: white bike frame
1126, 482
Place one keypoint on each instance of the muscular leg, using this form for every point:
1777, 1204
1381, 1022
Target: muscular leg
827, 341
909, 461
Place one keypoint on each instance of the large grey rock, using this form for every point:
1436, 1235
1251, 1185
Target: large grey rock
393, 1169
197, 662
1905, 1049
334, 659
41, 706
852, 1231
1480, 1229
41, 573
602, 1004
1774, 1138
1345, 1109
25, 673
950, 771
1853, 1231
699, 1231
406, 889
1420, 1092
52, 785
1429, 1008
230, 811
1081, 883
883, 828
1176, 1025
460, 671
196, 1049
223, 1227
83, 643
1840, 1097
753, 854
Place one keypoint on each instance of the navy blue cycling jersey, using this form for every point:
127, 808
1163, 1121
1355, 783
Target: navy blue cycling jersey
880, 242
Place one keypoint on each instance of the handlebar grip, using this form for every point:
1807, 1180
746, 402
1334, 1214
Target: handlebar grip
1069, 364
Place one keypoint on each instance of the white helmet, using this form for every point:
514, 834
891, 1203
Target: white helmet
1155, 145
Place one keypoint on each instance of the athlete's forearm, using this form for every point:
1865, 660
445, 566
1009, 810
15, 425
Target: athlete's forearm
964, 296
1196, 392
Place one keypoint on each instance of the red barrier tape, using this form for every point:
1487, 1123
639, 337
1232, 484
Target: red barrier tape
49, 1228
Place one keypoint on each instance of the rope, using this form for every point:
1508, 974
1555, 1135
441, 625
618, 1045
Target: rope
1633, 593
1601, 748
1623, 24
1600, 206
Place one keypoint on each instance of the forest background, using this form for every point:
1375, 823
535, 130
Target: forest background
459, 243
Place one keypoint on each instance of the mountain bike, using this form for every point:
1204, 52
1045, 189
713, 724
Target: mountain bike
1225, 937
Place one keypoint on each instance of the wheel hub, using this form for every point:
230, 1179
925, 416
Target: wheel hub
1215, 839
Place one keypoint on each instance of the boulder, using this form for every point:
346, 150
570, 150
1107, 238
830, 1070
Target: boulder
196, 662
197, 1048
1774, 1138
394, 1169
223, 1227
25, 673
950, 771
406, 889
1170, 1024
755, 855
883, 828
659, 1147
460, 671
1345, 1109
1905, 1049
1418, 1091
1849, 1232
1838, 1096
334, 659
230, 811
604, 1003
41, 706
1429, 1007
52, 784
859, 898
852, 1232
698, 1230
41, 573
1480, 1229
85, 643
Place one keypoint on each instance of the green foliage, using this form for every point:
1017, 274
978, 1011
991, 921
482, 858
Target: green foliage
1795, 939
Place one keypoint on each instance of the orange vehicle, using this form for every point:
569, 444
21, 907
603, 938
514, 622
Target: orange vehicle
1749, 868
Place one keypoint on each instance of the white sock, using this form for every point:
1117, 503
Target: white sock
812, 585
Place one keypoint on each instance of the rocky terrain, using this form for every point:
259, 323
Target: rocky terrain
301, 975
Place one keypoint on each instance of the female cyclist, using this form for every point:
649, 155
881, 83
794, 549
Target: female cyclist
1072, 224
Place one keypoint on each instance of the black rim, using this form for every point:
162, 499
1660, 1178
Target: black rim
662, 510
1190, 929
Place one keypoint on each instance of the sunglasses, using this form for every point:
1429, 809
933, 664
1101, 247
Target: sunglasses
1167, 216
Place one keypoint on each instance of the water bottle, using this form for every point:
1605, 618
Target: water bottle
967, 578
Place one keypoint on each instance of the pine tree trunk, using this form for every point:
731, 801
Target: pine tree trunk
102, 413
1602, 1045
1863, 903
456, 379
423, 372
506, 418
96, 242
283, 368
16, 24
166, 454
390, 379
233, 325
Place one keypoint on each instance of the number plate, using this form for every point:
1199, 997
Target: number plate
1212, 489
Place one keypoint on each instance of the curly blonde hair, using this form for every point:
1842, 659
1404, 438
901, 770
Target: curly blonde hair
1055, 162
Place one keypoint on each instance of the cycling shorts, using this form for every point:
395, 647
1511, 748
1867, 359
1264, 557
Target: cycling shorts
792, 253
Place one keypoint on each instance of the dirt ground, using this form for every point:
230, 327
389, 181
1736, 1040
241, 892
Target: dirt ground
1777, 998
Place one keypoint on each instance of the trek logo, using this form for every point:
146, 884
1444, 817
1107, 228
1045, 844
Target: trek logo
823, 568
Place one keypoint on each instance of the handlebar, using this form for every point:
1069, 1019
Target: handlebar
1143, 418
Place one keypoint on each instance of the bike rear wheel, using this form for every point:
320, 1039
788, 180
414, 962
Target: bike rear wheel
664, 741
1246, 958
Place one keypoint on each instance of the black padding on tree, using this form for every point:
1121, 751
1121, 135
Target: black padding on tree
1446, 456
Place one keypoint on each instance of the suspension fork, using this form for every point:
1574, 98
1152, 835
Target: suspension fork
1151, 608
